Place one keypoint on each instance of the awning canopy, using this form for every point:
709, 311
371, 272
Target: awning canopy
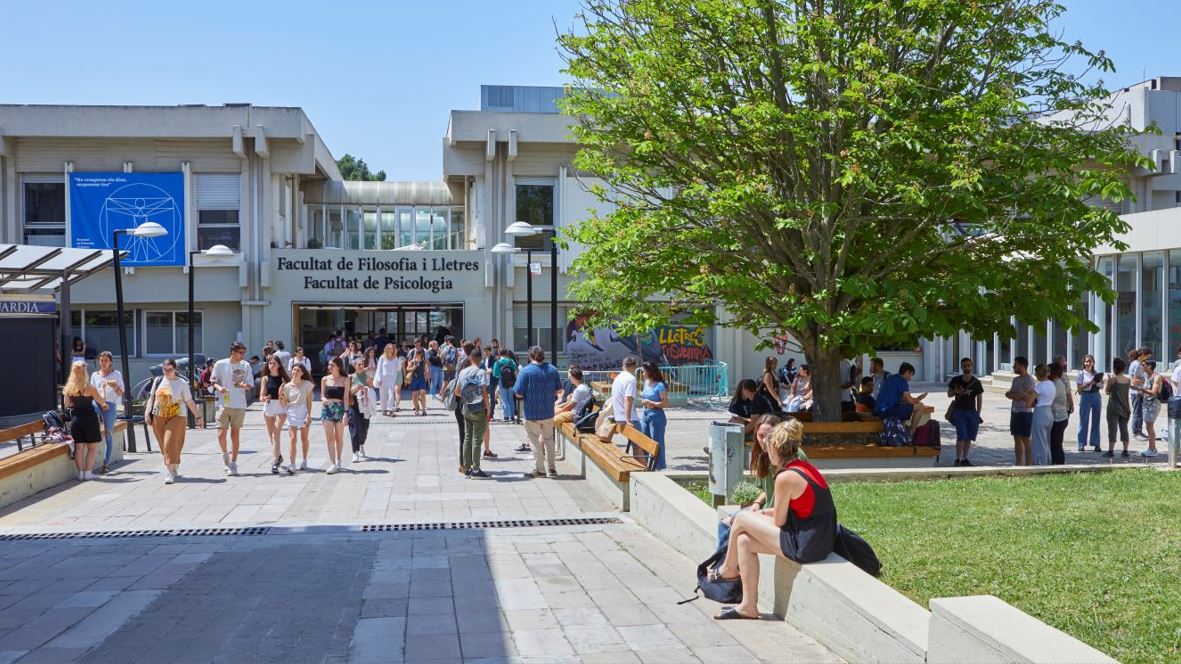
30, 268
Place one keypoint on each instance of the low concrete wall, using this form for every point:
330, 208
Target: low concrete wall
43, 467
984, 628
606, 485
853, 614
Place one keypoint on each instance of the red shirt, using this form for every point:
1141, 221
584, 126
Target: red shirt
804, 505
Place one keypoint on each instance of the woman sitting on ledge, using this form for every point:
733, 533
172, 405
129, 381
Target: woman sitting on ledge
801, 527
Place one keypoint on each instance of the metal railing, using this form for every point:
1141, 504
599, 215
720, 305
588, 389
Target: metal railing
688, 384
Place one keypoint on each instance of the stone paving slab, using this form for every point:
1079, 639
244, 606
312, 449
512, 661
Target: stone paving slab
314, 590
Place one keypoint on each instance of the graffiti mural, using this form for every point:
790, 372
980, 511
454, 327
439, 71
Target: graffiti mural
603, 349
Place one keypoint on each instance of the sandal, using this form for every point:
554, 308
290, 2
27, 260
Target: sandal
489, 454
715, 575
731, 613
104, 470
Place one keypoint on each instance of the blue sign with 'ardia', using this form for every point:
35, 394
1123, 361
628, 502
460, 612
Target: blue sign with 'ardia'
101, 203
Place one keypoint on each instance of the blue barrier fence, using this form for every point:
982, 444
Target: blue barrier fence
690, 384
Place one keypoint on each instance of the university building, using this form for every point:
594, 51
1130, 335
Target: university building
314, 253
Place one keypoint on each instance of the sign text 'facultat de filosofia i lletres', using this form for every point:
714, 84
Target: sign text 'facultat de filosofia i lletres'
403, 273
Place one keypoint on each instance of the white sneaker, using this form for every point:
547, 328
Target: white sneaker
356, 457
331, 469
1148, 453
81, 476
303, 465
89, 475
339, 467
364, 457
225, 461
169, 478
233, 469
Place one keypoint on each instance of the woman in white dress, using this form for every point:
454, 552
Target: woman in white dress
296, 397
388, 378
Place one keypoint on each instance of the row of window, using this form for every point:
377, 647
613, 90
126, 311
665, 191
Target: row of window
218, 204
163, 333
440, 228
1146, 312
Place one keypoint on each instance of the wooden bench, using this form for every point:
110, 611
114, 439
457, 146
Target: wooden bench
31, 457
609, 461
860, 424
21, 431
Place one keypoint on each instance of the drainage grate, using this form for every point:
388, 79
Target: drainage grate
506, 523
123, 534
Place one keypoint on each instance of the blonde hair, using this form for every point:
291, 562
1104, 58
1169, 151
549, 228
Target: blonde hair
78, 381
785, 439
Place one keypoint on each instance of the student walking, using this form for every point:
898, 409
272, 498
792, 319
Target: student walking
418, 370
967, 395
388, 378
167, 418
1090, 404
296, 397
109, 382
471, 391
334, 406
83, 398
434, 357
232, 379
654, 399
539, 385
273, 411
360, 411
1061, 409
1119, 407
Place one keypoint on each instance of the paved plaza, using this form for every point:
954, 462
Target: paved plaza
312, 586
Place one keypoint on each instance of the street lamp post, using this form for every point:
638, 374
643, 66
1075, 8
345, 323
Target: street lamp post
217, 251
148, 229
525, 229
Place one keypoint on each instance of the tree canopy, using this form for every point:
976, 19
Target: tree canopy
353, 168
856, 173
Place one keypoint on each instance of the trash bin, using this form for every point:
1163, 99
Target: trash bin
726, 445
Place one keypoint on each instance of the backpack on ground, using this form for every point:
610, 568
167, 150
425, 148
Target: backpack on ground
1166, 391
852, 547
723, 591
508, 377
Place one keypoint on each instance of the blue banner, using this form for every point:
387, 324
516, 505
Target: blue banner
101, 203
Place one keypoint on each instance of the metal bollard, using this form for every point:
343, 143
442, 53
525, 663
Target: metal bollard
726, 446
1174, 438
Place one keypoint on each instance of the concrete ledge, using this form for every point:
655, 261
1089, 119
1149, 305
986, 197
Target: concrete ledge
611, 489
984, 628
853, 614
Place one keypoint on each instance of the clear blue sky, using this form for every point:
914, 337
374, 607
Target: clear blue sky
376, 78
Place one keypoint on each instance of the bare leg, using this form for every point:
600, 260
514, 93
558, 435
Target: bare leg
330, 438
1018, 452
292, 434
276, 434
338, 440
751, 533
221, 440
1150, 427
304, 433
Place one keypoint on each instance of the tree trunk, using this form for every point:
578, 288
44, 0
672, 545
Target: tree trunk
825, 364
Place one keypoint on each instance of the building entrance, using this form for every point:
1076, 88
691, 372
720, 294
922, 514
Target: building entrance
316, 323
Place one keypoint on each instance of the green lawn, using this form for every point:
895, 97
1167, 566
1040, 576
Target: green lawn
1097, 555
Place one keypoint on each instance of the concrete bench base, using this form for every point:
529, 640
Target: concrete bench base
983, 628
43, 467
612, 489
853, 614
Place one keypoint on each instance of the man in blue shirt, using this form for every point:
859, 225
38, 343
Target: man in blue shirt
894, 399
539, 385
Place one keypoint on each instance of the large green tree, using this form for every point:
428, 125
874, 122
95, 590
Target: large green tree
856, 173
354, 168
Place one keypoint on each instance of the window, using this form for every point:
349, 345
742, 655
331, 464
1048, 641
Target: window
352, 228
45, 212
369, 230
389, 229
422, 227
335, 228
542, 333
439, 228
315, 226
167, 332
100, 332
1125, 305
1152, 276
218, 207
1174, 303
535, 204
458, 232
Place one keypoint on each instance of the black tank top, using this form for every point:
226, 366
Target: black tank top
273, 387
810, 537
334, 392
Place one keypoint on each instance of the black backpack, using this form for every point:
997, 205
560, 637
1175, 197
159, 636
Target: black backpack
852, 547
585, 418
508, 377
723, 591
